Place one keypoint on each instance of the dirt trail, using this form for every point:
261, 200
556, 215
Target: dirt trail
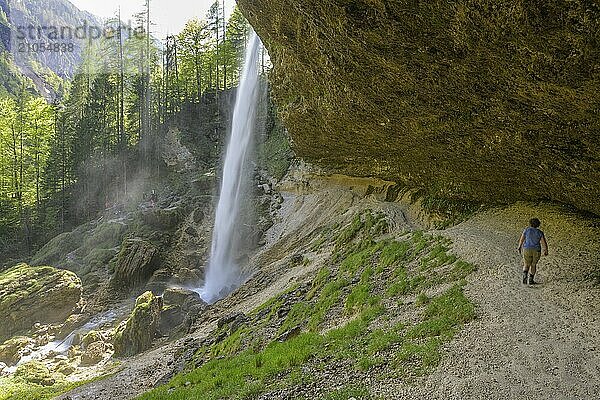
538, 342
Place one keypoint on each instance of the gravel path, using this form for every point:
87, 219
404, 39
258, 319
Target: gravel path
540, 342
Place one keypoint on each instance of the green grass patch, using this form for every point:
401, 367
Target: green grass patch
360, 392
14, 388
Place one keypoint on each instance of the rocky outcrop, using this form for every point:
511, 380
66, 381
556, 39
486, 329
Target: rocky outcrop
162, 218
137, 333
36, 294
136, 262
479, 100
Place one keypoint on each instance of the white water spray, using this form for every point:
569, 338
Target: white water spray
223, 275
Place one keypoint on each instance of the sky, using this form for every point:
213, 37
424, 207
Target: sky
169, 16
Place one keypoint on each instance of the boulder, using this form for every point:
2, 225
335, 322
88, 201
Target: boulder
84, 250
72, 322
136, 262
137, 333
36, 294
93, 354
181, 297
171, 318
91, 337
178, 304
11, 350
235, 321
160, 281
64, 367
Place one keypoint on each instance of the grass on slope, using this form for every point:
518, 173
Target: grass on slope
380, 308
19, 389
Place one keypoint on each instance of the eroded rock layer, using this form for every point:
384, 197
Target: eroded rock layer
477, 100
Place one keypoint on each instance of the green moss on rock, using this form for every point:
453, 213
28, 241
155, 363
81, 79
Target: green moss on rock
35, 372
10, 351
137, 333
136, 262
36, 294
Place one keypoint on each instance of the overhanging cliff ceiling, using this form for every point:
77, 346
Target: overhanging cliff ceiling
478, 100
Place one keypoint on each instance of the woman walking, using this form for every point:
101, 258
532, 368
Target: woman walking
531, 244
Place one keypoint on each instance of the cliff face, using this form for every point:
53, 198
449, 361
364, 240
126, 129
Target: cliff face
477, 100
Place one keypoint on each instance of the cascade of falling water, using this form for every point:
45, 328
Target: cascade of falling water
223, 275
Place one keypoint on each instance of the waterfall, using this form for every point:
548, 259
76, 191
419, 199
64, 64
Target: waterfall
223, 275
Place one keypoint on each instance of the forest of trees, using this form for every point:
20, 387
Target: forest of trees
59, 160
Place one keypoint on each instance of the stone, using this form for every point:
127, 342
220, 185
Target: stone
11, 351
74, 351
190, 230
91, 337
178, 304
65, 367
88, 248
160, 281
36, 294
287, 335
180, 296
188, 277
93, 354
136, 262
137, 333
162, 218
192, 315
235, 321
72, 322
171, 317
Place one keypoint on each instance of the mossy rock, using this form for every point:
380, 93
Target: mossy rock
35, 372
83, 250
91, 337
137, 333
136, 262
94, 353
36, 294
10, 351
56, 250
162, 218
64, 367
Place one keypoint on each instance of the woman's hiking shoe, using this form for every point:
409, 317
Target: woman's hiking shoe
525, 277
531, 281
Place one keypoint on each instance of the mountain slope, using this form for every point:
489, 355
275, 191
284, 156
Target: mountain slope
47, 38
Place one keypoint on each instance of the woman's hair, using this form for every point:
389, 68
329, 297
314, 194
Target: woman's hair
534, 222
